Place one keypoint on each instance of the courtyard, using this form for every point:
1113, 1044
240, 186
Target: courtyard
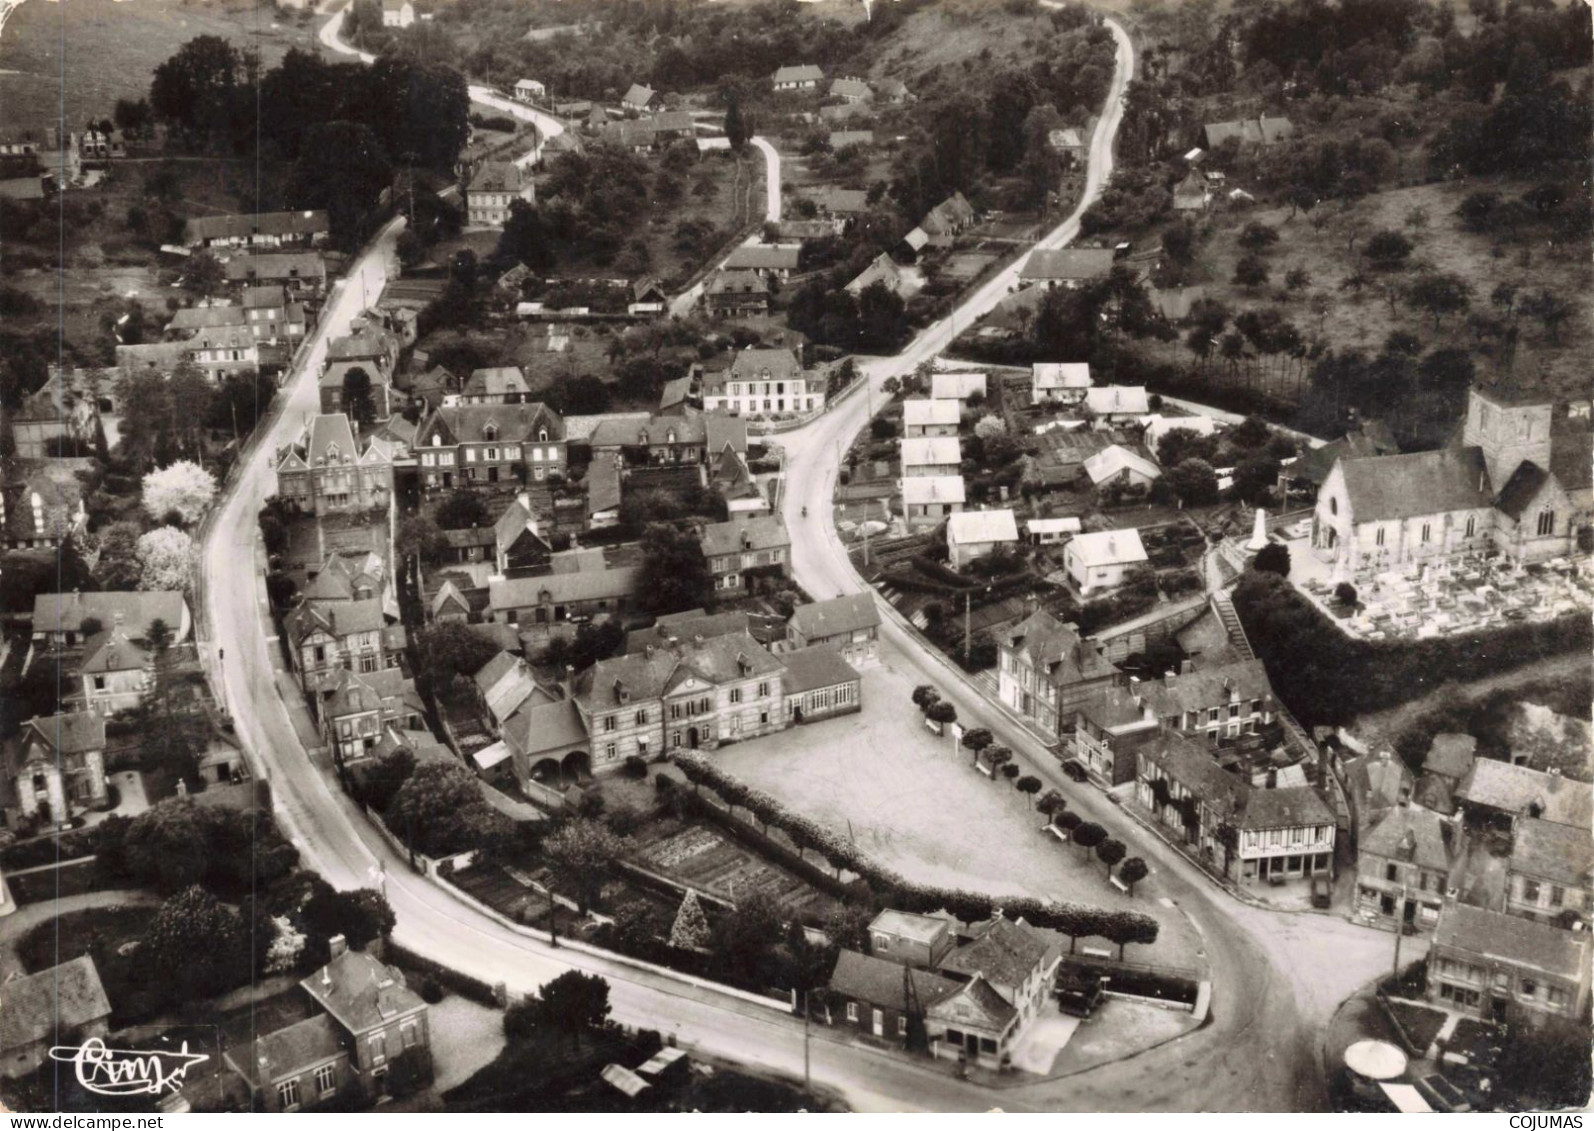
915, 803
1443, 597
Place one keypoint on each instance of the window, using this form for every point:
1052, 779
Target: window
1557, 895
1472, 525
288, 1093
608, 723
1391, 874
852, 1011
641, 717
902, 1026
378, 1048
1546, 523
1333, 506
1529, 988
1212, 715
1427, 532
1530, 891
1378, 537
763, 690
736, 695
411, 1034
326, 1077
608, 752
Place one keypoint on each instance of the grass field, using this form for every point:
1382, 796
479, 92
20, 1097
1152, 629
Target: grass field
74, 60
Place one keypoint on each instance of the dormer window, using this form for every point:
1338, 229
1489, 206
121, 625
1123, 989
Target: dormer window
437, 440
642, 436
490, 432
669, 437
542, 435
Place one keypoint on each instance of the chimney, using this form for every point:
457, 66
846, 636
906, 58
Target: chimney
649, 651
337, 945
568, 681
1272, 779
332, 620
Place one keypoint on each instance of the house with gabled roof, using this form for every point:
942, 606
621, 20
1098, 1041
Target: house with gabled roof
1550, 873
1119, 466
1006, 970
357, 707
302, 274
465, 445
41, 507
58, 416
777, 261
1103, 560
931, 455
64, 1005
1215, 701
259, 229
518, 539
804, 76
762, 381
695, 694
327, 637
503, 384
928, 417
1059, 382
672, 628
851, 90
1066, 266
1501, 793
560, 600
637, 99
959, 387
116, 671
58, 770
329, 469
746, 547
1501, 967
734, 481
1109, 728
1262, 130
850, 624
1046, 670
1404, 865
651, 439
493, 189
928, 500
736, 292
819, 683
880, 998
59, 618
397, 13
946, 221
975, 534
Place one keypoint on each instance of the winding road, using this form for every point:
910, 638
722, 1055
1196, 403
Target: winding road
1277, 977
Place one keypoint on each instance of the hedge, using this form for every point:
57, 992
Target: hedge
462, 984
1326, 677
1074, 920
1141, 983
36, 853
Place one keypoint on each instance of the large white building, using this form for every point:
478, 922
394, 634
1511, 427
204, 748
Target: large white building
1517, 478
1103, 560
764, 381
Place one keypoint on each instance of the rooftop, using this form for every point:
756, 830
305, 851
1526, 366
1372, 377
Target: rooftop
836, 617
862, 977
967, 528
361, 992
1523, 791
52, 1003
1108, 547
815, 667
1512, 940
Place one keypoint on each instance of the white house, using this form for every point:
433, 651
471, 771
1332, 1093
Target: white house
1117, 404
1099, 562
1051, 531
927, 499
804, 77
956, 386
529, 90
930, 418
496, 186
764, 380
397, 13
1158, 426
931, 455
1059, 382
973, 534
1117, 464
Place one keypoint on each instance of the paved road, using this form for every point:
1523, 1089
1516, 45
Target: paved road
682, 304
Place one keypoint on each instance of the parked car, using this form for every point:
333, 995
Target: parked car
1441, 1094
1322, 891
1074, 770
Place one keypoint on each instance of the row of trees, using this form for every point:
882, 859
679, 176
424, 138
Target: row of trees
1074, 920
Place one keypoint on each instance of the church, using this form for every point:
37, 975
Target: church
1516, 478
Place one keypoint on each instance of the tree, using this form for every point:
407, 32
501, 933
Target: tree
361, 916
883, 428
439, 810
581, 852
1228, 837
342, 169
418, 536
690, 930
165, 559
118, 566
287, 945
1110, 852
380, 778
924, 695
203, 274
1052, 803
1251, 271
745, 938
447, 651
942, 712
1089, 834
1258, 236
134, 117
1028, 784
464, 509
1297, 279
737, 127
1552, 311
977, 739
359, 400
1476, 210
1195, 482
674, 575
1273, 558
1387, 250
1440, 293
1133, 871
196, 91
575, 1003
990, 425
998, 757
183, 488
196, 945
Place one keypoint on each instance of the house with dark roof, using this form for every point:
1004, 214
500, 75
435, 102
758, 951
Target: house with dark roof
1503, 968
329, 468
1403, 867
776, 261
503, 384
878, 998
851, 90
545, 746
64, 1005
518, 542
57, 770
480, 444
302, 274
1109, 728
1006, 971
1278, 834
760, 381
819, 683
637, 99
1046, 671
356, 708
1516, 478
696, 694
1550, 873
1215, 701
736, 292
561, 601
41, 505
116, 670
257, 230
328, 637
369, 1027
746, 547
1247, 131
493, 189
651, 439
850, 624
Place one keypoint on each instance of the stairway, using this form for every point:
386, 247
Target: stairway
1224, 607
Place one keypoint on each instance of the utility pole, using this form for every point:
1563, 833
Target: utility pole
966, 620
808, 1080
1400, 924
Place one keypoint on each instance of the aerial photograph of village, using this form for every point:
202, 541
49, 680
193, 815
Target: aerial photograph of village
646, 556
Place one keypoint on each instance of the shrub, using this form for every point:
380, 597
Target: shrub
634, 767
1345, 593
431, 992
